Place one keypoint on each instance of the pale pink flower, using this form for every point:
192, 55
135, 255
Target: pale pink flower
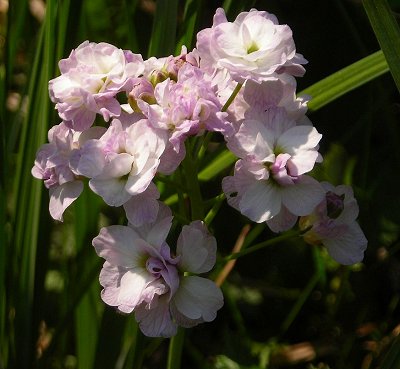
256, 98
333, 224
140, 275
53, 165
130, 156
275, 93
254, 46
143, 207
275, 154
186, 107
90, 79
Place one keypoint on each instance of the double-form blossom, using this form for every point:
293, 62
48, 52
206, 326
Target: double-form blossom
185, 107
140, 275
270, 179
124, 161
90, 79
333, 224
53, 165
254, 46
255, 98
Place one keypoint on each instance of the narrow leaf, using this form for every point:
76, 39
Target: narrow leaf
387, 31
345, 80
221, 162
189, 25
162, 42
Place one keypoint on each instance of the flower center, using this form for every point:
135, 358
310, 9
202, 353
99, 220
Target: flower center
155, 266
334, 204
279, 171
252, 48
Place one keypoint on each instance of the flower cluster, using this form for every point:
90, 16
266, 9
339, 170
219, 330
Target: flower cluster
239, 81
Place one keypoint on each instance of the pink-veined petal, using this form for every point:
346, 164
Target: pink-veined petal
302, 197
261, 201
197, 248
63, 196
156, 322
347, 248
120, 246
198, 298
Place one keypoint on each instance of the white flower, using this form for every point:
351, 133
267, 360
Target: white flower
90, 79
254, 46
141, 276
275, 156
131, 158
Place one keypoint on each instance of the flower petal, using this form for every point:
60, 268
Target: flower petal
197, 248
156, 322
121, 246
261, 201
197, 299
63, 196
143, 208
283, 221
132, 285
299, 138
302, 197
347, 248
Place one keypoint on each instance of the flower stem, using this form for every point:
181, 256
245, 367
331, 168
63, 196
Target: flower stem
193, 186
286, 236
175, 349
232, 97
214, 210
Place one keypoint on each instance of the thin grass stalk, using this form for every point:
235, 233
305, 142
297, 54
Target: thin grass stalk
3, 208
17, 12
191, 15
162, 41
62, 25
29, 194
387, 31
130, 8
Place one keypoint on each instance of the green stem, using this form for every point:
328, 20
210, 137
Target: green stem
232, 97
286, 236
175, 349
214, 210
300, 302
203, 147
193, 187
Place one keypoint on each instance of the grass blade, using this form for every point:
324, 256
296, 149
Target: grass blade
221, 162
29, 196
345, 80
189, 25
392, 358
162, 42
387, 31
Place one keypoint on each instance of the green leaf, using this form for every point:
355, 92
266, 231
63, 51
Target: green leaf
387, 32
162, 42
189, 25
88, 312
392, 358
221, 162
29, 224
345, 80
